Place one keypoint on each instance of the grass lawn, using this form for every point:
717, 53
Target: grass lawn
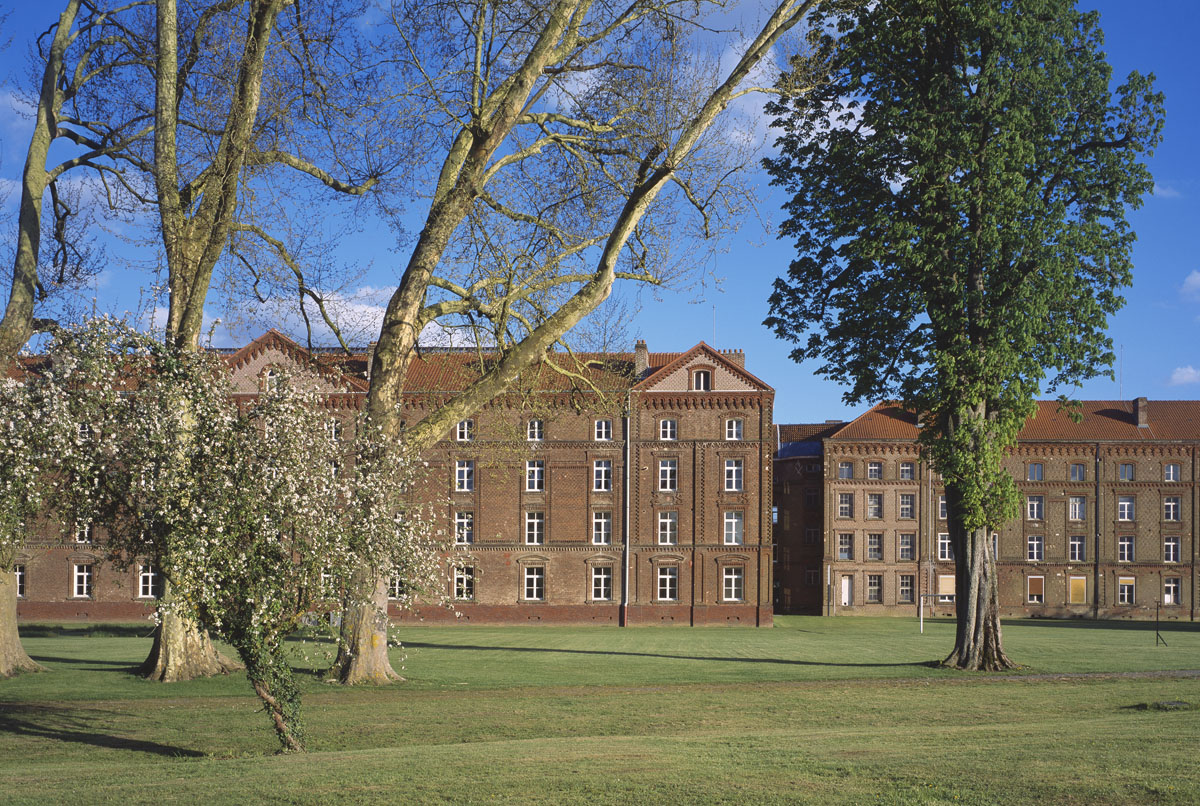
815, 710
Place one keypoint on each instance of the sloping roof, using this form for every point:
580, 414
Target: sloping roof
1102, 421
662, 370
807, 432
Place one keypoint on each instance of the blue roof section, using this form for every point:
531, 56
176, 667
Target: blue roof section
789, 450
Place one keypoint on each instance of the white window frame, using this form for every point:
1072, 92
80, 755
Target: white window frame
535, 476
604, 430
845, 505
1126, 508
908, 471
845, 546
1171, 471
945, 547
668, 475
845, 470
874, 506
906, 589
908, 506
464, 583
667, 589
1172, 590
875, 470
875, 545
535, 528
82, 580
1077, 472
1172, 508
943, 508
734, 473
464, 527
1029, 592
1077, 508
534, 589
668, 528
735, 527
1172, 547
19, 573
465, 431
1126, 471
84, 534
1035, 548
602, 523
1035, 471
1126, 549
147, 581
535, 431
906, 546
395, 588
701, 380
602, 475
733, 583
1126, 590
602, 579
1077, 548
668, 430
1035, 507
874, 581
733, 429
464, 475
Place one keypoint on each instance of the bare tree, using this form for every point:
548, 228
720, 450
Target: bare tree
561, 125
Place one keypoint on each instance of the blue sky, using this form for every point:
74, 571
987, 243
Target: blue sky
1155, 335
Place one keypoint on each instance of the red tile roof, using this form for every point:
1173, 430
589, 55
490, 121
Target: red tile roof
808, 432
1103, 420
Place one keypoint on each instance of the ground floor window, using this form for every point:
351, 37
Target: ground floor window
812, 576
19, 570
945, 591
1171, 589
1125, 590
875, 588
602, 583
733, 588
464, 582
149, 582
668, 583
1077, 590
907, 588
535, 584
1035, 590
395, 588
83, 580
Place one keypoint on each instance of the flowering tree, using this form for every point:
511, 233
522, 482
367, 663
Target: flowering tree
256, 519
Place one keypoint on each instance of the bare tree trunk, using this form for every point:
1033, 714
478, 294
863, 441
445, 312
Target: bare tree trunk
13, 659
182, 651
977, 640
363, 647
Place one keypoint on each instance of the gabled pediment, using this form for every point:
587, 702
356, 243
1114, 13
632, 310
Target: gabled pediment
724, 373
275, 351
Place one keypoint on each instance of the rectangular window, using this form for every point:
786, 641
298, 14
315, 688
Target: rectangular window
535, 476
1077, 508
907, 548
908, 471
810, 535
874, 470
148, 582
464, 528
701, 380
1078, 471
1125, 549
943, 510
875, 505
1125, 471
602, 583
908, 506
1125, 508
1125, 590
668, 528
535, 584
602, 475
775, 514
733, 475
464, 476
735, 522
1171, 590
907, 588
945, 591
812, 498
19, 571
465, 432
395, 588
535, 528
874, 588
812, 576
1077, 549
733, 587
668, 475
945, 548
83, 581
604, 430
846, 546
668, 430
1077, 590
845, 470
535, 431
1035, 590
601, 528
1171, 472
464, 583
1172, 508
83, 533
1035, 548
845, 505
875, 546
733, 430
1035, 507
668, 583
1171, 549
1034, 471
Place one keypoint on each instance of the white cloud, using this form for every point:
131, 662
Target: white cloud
1191, 285
1166, 192
1184, 375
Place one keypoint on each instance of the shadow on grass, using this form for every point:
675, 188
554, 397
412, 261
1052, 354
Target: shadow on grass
138, 630
107, 664
782, 661
46, 722
1090, 624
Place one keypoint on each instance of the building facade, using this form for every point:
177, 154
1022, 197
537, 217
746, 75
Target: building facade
1107, 527
621, 488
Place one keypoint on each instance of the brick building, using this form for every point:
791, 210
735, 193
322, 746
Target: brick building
632, 489
1107, 527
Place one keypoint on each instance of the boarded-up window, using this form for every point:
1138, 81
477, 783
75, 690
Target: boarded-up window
1037, 590
1077, 590
946, 588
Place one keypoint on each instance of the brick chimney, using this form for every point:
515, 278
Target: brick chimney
641, 358
370, 358
736, 357
1141, 412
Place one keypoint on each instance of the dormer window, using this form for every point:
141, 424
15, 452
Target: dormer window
465, 432
701, 380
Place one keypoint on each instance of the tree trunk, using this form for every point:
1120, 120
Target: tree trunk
13, 659
363, 645
182, 651
271, 675
977, 639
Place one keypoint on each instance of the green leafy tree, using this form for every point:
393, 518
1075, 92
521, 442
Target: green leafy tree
959, 190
